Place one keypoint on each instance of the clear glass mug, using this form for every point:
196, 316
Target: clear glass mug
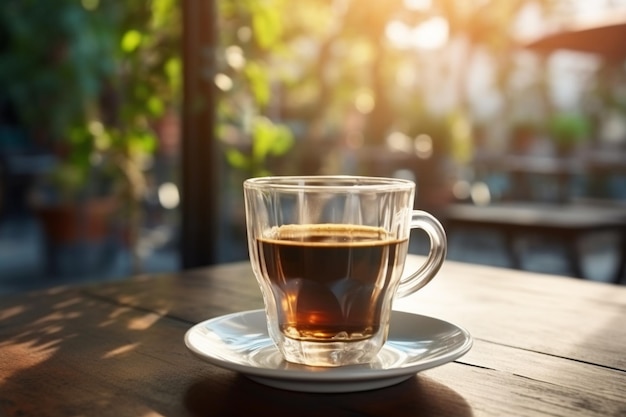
328, 253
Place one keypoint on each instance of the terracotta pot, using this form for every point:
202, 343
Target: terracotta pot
89, 221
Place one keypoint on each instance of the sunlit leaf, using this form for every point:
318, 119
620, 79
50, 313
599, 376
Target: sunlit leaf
131, 40
155, 105
269, 139
174, 72
267, 26
259, 83
262, 136
283, 141
140, 142
162, 11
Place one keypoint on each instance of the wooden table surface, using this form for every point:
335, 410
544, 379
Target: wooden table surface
543, 345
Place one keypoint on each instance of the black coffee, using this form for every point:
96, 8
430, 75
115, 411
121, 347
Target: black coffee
329, 281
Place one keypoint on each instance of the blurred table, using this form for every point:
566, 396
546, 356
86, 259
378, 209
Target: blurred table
566, 224
543, 345
594, 173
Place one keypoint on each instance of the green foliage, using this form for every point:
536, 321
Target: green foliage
92, 77
268, 139
131, 41
55, 56
244, 110
266, 23
258, 80
568, 129
307, 62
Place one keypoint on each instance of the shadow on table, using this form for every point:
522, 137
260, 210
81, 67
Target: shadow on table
417, 396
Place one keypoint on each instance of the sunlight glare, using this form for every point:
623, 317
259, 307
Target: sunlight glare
35, 357
143, 323
420, 5
432, 34
120, 350
11, 312
399, 34
58, 316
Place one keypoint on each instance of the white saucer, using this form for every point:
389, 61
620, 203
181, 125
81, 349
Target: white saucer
240, 342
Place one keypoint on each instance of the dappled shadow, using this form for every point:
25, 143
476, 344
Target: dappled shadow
118, 350
418, 396
67, 354
193, 296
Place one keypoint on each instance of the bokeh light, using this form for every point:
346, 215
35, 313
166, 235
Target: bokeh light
169, 197
423, 146
223, 82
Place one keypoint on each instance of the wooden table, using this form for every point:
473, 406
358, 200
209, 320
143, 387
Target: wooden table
567, 225
543, 345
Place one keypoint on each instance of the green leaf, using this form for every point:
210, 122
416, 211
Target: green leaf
145, 142
131, 41
139, 141
237, 159
259, 83
174, 72
262, 136
267, 26
283, 142
269, 139
155, 105
162, 11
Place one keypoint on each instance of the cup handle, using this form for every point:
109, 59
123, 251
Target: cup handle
438, 248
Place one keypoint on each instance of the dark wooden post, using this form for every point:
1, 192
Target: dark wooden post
200, 167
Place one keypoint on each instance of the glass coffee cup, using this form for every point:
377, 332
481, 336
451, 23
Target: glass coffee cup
328, 253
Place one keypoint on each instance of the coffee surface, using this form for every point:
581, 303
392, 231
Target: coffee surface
330, 281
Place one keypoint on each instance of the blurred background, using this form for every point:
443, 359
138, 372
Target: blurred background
480, 102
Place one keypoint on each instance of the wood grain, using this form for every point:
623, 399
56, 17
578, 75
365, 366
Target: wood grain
560, 316
543, 346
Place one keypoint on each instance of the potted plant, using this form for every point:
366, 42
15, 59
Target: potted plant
55, 55
568, 131
89, 81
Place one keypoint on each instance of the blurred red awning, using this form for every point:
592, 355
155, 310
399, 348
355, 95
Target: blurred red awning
605, 37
